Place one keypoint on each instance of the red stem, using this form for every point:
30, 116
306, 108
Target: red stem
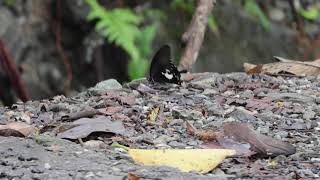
13, 73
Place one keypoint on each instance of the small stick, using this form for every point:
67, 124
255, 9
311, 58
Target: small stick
193, 37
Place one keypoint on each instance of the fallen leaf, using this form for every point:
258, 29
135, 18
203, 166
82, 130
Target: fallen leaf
16, 129
85, 126
152, 115
260, 104
132, 176
261, 144
200, 160
88, 112
285, 67
209, 135
110, 110
242, 149
252, 69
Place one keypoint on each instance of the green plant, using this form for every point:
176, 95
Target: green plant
253, 9
8, 2
311, 14
123, 27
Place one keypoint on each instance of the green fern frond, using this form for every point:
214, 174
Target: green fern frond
119, 26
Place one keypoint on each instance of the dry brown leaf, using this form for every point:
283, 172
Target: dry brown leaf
252, 69
285, 67
261, 144
88, 112
85, 126
110, 110
209, 135
16, 129
132, 176
242, 149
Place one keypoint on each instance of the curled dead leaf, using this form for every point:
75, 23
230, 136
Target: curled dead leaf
261, 144
132, 176
209, 135
285, 67
17, 129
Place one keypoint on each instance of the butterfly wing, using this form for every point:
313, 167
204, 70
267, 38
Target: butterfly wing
162, 70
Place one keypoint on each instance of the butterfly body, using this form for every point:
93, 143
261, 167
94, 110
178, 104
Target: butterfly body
162, 70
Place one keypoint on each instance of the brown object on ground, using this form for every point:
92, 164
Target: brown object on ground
83, 127
16, 129
261, 144
209, 135
285, 67
193, 37
81, 114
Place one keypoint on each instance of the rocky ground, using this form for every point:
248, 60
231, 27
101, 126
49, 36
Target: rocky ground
285, 108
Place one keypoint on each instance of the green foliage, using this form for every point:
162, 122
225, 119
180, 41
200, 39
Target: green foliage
122, 27
138, 67
8, 2
311, 13
253, 8
212, 23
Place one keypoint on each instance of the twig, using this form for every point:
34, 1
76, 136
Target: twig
193, 37
11, 70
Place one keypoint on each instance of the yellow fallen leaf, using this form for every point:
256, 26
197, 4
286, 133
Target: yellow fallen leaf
200, 160
153, 114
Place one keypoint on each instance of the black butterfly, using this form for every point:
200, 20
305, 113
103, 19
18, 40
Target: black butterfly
162, 70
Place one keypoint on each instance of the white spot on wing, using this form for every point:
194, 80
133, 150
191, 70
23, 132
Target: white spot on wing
167, 74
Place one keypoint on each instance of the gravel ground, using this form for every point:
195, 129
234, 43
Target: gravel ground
285, 108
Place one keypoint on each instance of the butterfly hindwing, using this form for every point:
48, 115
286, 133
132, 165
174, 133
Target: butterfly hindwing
162, 70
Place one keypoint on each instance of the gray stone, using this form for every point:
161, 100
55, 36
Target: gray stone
103, 86
294, 97
108, 84
186, 114
176, 144
247, 94
283, 134
309, 114
210, 92
242, 115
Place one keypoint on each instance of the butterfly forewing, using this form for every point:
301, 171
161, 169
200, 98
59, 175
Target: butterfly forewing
162, 70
